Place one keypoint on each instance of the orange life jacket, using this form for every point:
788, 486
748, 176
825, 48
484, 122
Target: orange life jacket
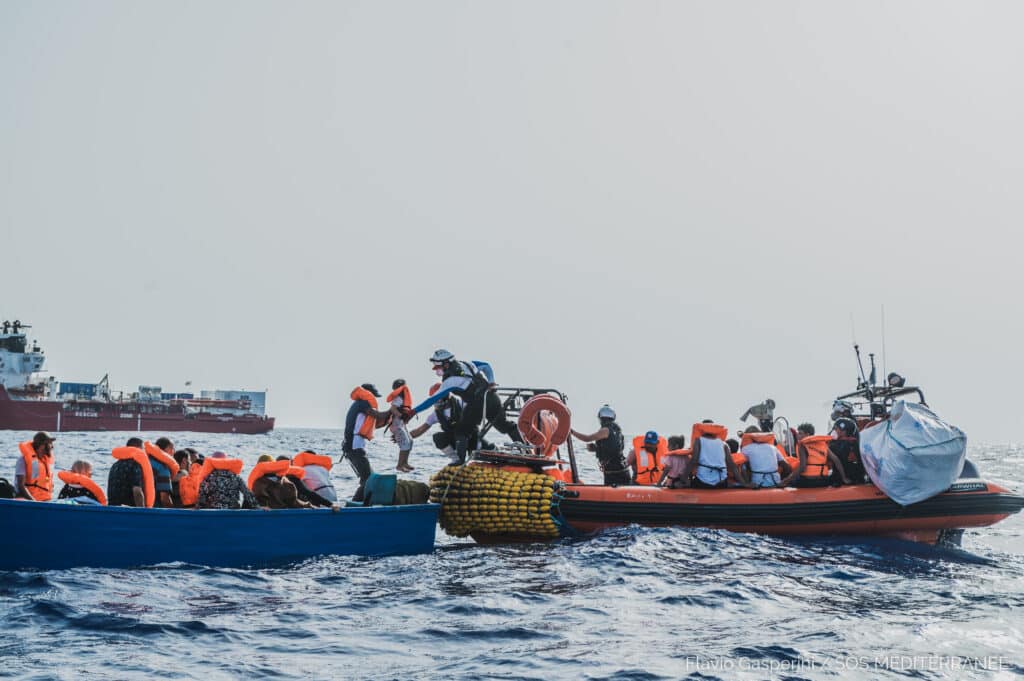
309, 459
139, 457
713, 429
278, 468
763, 438
649, 466
406, 396
369, 423
817, 456
210, 465
297, 471
38, 483
740, 460
163, 457
85, 482
188, 487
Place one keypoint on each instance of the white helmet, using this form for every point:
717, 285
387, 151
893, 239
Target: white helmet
606, 412
441, 355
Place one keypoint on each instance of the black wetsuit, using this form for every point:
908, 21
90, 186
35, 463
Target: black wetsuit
475, 396
847, 448
610, 456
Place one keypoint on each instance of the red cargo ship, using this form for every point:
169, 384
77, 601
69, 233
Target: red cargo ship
30, 402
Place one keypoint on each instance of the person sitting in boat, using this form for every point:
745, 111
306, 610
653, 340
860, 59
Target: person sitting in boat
165, 470
818, 466
472, 383
270, 484
711, 463
33, 471
767, 464
400, 400
677, 463
78, 483
846, 442
317, 474
647, 459
220, 485
295, 474
130, 480
185, 486
608, 443
360, 422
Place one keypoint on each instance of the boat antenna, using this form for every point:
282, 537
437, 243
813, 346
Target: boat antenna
874, 373
884, 365
856, 349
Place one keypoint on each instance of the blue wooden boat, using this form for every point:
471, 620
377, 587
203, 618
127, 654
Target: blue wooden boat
41, 535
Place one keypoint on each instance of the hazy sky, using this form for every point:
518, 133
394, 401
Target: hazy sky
674, 207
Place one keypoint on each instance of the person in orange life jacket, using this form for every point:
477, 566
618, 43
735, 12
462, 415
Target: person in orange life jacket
401, 413
163, 481
304, 493
75, 489
271, 486
125, 481
647, 458
677, 462
360, 421
846, 442
223, 488
608, 444
316, 473
767, 465
33, 471
711, 463
472, 383
819, 466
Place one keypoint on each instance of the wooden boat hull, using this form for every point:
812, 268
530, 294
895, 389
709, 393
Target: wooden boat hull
61, 535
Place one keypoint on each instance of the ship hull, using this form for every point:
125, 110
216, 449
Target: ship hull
63, 417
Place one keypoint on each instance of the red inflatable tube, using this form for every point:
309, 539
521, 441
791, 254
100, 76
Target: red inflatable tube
527, 421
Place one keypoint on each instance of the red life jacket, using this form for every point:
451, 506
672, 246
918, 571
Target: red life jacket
85, 482
713, 429
38, 478
278, 468
310, 459
210, 465
163, 457
188, 487
139, 457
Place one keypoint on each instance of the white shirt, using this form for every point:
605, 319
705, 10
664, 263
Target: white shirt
358, 441
764, 463
711, 469
318, 479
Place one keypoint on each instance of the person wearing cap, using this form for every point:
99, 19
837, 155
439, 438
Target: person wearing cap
647, 458
608, 444
472, 383
360, 422
845, 442
33, 471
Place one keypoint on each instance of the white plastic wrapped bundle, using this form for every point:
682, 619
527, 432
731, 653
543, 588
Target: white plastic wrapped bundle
914, 455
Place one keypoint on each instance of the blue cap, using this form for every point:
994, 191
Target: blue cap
651, 438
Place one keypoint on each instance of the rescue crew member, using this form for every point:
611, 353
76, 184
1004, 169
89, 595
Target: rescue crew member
608, 444
846, 442
33, 472
647, 458
472, 383
360, 422
446, 414
818, 465
400, 400
711, 462
764, 413
78, 483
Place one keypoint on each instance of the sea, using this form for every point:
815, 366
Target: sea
633, 603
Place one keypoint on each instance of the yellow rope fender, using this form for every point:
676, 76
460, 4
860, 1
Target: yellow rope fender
481, 499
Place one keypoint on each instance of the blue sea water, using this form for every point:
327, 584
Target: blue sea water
634, 603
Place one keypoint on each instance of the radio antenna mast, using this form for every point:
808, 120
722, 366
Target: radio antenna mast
885, 367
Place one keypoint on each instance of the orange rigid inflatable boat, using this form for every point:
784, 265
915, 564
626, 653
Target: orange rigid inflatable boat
848, 510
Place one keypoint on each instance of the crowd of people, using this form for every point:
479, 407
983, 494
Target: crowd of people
158, 475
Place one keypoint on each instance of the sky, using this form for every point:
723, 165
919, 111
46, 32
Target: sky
677, 208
